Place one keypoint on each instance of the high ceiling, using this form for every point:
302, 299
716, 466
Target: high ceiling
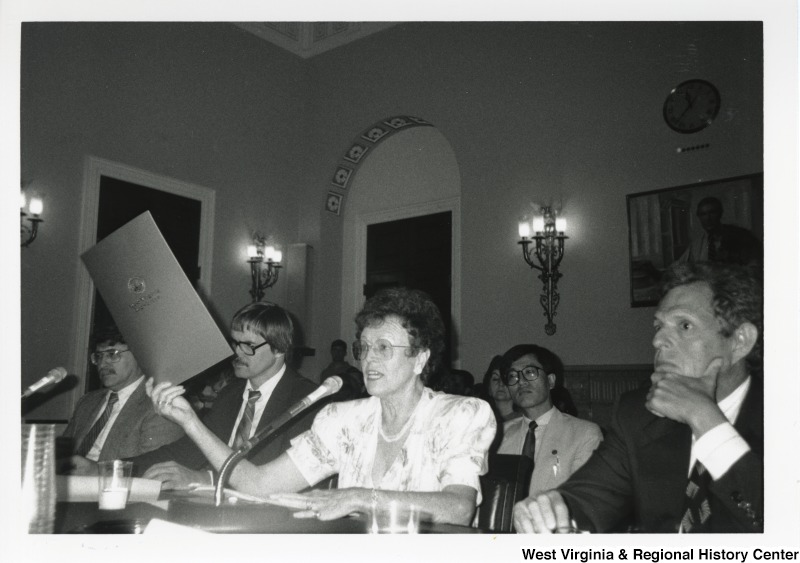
307, 39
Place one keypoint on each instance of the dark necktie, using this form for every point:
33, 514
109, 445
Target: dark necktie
94, 431
529, 447
697, 518
712, 249
243, 432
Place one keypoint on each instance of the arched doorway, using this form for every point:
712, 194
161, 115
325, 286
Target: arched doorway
412, 174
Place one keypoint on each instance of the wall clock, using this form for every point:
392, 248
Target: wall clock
691, 106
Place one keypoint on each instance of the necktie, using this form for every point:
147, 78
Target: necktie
529, 447
94, 431
712, 248
243, 432
697, 518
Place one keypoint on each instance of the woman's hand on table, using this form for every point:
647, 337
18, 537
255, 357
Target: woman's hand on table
324, 504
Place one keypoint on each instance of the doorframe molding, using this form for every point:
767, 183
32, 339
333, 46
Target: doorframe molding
94, 169
364, 220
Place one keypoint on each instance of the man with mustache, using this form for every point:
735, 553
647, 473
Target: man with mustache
687, 455
261, 335
119, 420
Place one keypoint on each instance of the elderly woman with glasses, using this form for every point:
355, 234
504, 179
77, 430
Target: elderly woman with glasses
406, 444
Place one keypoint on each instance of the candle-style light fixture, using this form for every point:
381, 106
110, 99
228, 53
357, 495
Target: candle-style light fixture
28, 232
543, 237
265, 263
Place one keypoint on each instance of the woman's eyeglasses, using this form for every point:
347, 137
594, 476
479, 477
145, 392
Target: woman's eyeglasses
381, 348
246, 348
112, 356
530, 373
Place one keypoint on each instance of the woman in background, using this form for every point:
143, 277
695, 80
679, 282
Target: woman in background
499, 395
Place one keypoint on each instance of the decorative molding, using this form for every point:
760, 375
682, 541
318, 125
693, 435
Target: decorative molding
370, 138
306, 39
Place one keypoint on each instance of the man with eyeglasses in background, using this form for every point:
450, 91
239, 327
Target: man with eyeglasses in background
119, 420
557, 442
261, 336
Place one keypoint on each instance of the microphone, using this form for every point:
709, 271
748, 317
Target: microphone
330, 386
55, 375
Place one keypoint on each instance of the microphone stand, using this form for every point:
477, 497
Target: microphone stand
330, 386
229, 464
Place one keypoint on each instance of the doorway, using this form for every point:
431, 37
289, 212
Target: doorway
414, 252
176, 216
96, 169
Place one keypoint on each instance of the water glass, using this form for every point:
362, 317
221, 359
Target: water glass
39, 477
114, 484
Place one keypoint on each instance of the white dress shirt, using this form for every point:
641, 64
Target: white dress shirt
719, 448
266, 389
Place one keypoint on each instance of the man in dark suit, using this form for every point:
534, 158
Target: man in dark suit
720, 242
687, 454
261, 334
119, 420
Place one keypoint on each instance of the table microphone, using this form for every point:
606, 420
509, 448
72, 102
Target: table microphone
55, 375
330, 386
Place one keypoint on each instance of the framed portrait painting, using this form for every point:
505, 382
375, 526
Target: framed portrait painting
719, 220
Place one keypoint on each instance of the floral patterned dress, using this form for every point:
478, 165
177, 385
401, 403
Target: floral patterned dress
447, 444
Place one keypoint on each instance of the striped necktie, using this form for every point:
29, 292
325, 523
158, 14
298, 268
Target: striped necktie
94, 431
697, 517
529, 447
246, 424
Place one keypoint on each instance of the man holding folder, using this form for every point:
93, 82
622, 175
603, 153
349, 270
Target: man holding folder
261, 334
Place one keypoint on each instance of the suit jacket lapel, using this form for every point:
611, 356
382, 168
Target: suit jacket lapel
750, 422
91, 411
543, 470
131, 411
279, 401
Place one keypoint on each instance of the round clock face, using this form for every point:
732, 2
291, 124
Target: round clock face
691, 106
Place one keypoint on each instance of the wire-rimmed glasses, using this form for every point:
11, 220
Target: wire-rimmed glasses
113, 356
530, 373
381, 347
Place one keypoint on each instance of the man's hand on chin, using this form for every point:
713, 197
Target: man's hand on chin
687, 399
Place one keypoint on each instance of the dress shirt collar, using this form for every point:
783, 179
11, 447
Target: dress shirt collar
732, 404
541, 420
125, 393
267, 387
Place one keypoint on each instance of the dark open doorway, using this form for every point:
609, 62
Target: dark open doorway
177, 217
417, 253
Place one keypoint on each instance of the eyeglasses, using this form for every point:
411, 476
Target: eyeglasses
112, 356
530, 373
247, 348
382, 348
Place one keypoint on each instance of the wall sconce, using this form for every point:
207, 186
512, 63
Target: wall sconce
265, 263
27, 233
548, 236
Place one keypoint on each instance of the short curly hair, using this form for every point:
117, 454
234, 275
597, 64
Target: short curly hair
418, 314
737, 298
